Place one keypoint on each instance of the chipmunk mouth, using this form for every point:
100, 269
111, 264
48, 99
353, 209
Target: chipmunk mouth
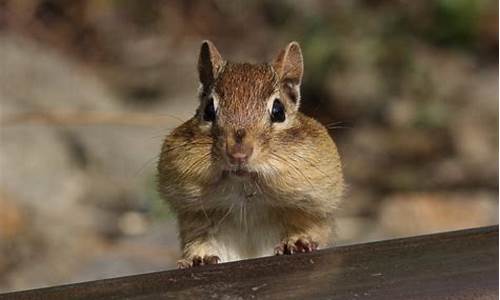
238, 171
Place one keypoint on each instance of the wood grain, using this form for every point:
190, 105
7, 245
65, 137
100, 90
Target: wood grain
453, 265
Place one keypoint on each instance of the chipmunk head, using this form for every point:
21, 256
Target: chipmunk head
243, 106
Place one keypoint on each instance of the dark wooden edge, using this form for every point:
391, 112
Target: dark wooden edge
182, 282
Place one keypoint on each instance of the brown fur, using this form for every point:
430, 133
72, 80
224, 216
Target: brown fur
293, 180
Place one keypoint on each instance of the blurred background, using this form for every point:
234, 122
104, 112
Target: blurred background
89, 88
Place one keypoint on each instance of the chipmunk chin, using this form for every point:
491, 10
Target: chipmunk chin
240, 173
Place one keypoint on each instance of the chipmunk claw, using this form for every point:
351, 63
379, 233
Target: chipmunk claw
306, 245
197, 261
211, 259
184, 264
299, 245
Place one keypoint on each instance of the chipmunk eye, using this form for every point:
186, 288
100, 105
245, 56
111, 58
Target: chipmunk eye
277, 112
209, 113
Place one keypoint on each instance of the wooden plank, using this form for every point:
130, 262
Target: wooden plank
453, 265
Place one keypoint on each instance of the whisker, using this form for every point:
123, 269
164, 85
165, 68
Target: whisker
188, 170
334, 123
148, 162
337, 125
293, 167
241, 215
245, 214
171, 116
145, 165
187, 144
205, 212
258, 187
314, 166
226, 214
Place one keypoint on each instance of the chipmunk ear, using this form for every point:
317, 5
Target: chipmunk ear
209, 63
289, 64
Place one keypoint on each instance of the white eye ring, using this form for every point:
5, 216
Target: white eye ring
210, 108
215, 98
270, 101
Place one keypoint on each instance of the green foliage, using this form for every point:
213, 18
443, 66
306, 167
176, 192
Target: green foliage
431, 115
320, 49
456, 22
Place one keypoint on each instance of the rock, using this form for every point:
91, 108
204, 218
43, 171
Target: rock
80, 187
155, 250
354, 230
475, 129
41, 166
20, 240
133, 223
12, 220
407, 214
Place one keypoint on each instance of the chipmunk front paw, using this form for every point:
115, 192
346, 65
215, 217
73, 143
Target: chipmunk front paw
197, 260
301, 244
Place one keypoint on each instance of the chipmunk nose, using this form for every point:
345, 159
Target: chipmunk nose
239, 152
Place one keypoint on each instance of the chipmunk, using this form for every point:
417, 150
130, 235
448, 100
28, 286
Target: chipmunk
249, 175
